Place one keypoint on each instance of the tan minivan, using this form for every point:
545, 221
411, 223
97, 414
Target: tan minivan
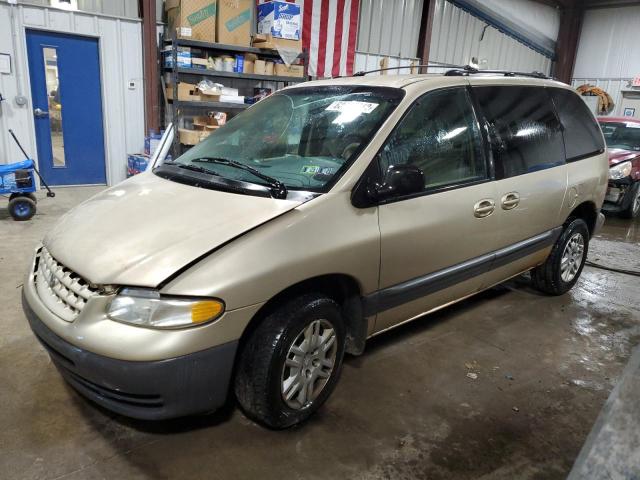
325, 214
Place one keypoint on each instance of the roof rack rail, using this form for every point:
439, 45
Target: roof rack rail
469, 70
425, 65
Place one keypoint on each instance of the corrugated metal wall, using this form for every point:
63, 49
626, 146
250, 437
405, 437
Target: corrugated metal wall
120, 62
613, 86
117, 8
608, 54
389, 27
458, 36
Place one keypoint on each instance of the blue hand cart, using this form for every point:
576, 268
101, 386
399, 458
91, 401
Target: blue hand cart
18, 181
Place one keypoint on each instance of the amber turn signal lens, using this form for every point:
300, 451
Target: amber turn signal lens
205, 311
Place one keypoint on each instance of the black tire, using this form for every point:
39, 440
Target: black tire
32, 196
633, 210
22, 208
261, 363
548, 277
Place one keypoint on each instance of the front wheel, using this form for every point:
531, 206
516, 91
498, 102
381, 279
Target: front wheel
559, 273
291, 362
634, 206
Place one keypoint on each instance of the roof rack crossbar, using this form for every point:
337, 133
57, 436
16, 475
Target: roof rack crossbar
469, 70
424, 65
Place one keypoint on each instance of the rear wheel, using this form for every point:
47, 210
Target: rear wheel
291, 362
22, 208
559, 273
633, 211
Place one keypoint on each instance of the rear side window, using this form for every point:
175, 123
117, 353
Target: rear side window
582, 136
524, 132
441, 136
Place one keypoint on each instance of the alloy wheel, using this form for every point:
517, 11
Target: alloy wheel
309, 363
572, 257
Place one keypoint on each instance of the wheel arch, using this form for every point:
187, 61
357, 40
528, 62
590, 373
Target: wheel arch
342, 288
588, 212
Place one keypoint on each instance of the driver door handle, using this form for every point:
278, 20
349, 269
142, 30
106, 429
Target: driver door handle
39, 113
510, 200
484, 208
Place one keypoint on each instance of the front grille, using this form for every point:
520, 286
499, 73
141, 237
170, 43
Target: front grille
64, 292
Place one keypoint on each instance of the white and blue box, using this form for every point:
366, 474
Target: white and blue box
280, 20
183, 54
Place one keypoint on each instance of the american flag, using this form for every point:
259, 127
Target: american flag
329, 32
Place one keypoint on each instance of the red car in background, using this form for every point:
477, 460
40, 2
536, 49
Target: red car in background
622, 135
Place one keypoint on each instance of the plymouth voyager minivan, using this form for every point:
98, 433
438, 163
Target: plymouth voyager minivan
325, 214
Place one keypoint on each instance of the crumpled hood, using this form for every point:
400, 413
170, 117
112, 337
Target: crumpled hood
619, 155
145, 229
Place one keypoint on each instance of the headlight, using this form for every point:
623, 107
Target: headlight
620, 171
147, 308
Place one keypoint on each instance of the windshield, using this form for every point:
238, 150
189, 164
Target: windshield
304, 138
621, 135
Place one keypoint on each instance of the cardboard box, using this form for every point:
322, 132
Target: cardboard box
186, 92
137, 163
272, 43
280, 19
210, 122
282, 70
192, 19
234, 22
199, 63
269, 67
192, 137
260, 67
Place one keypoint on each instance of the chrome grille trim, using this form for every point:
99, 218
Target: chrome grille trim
64, 292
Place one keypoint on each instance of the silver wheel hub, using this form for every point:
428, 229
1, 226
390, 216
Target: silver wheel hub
636, 202
572, 257
309, 364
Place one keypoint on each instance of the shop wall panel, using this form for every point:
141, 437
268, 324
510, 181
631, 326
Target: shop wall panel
120, 61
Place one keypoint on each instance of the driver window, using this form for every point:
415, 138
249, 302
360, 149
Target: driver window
440, 136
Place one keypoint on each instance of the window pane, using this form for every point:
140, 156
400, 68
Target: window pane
625, 135
581, 133
303, 137
440, 136
524, 132
55, 105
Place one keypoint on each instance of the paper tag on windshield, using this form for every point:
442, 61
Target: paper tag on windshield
352, 106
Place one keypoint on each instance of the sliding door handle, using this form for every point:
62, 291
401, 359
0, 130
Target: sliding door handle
484, 208
510, 200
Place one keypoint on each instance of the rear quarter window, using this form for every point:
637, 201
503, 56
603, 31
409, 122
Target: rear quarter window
524, 132
582, 136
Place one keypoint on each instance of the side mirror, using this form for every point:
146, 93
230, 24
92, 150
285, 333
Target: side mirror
400, 180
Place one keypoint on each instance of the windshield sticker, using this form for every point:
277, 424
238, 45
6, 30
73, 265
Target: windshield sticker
352, 106
633, 125
310, 169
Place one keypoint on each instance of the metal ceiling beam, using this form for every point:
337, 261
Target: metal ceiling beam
426, 29
567, 43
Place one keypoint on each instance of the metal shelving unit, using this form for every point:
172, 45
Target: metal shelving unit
180, 108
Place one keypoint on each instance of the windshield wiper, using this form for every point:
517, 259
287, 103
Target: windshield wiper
278, 189
193, 168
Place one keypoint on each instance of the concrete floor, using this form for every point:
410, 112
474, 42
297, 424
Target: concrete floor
406, 409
